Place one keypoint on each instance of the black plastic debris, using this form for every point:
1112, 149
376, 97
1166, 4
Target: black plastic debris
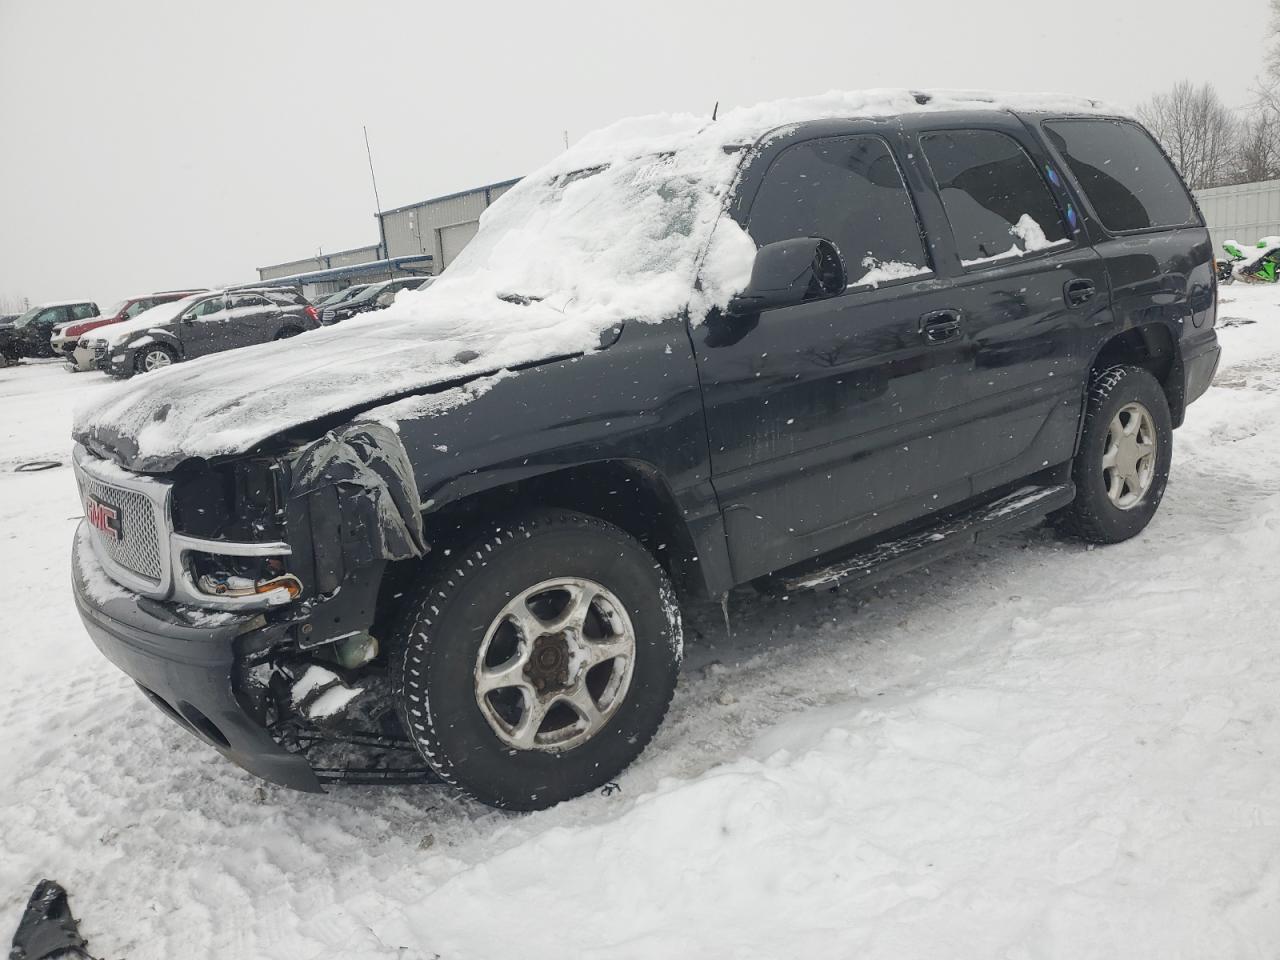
33, 465
47, 927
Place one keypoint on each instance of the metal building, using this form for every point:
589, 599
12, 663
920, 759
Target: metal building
441, 227
420, 238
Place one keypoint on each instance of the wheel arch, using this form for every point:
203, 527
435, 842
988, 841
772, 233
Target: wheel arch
165, 338
1154, 347
631, 494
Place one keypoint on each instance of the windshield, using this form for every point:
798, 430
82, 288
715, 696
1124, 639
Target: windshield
114, 309
44, 314
27, 317
369, 292
624, 235
341, 296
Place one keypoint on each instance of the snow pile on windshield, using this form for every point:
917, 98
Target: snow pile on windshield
615, 229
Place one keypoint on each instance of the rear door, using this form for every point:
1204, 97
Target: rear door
251, 318
831, 420
1028, 288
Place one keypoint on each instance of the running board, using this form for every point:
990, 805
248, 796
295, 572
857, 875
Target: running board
1023, 508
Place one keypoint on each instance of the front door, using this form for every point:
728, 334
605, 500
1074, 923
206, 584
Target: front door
203, 327
831, 420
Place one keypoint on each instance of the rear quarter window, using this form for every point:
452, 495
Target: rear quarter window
1127, 179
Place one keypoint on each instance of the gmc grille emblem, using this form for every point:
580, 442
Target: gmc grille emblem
104, 517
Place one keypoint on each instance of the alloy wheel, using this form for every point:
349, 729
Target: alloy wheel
555, 665
1129, 459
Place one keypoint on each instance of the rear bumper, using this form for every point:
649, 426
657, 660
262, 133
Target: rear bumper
1199, 366
184, 667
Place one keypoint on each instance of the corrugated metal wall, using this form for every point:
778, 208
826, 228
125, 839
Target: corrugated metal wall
343, 258
349, 258
1246, 212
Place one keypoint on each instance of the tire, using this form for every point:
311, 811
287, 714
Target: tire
152, 357
1114, 504
287, 332
457, 627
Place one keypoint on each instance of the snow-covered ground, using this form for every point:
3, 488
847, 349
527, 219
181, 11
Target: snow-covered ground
1032, 750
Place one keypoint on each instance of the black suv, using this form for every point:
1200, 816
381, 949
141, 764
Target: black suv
28, 335
376, 296
455, 544
199, 325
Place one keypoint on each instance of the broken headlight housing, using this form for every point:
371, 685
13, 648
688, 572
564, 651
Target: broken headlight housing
229, 527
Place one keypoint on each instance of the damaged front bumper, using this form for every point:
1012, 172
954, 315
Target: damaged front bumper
185, 665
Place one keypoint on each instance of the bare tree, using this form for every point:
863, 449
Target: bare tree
1259, 147
1272, 60
12, 304
1197, 130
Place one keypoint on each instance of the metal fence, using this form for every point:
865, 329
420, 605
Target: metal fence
1245, 212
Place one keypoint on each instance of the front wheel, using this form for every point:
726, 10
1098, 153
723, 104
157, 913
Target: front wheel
536, 664
152, 357
1122, 466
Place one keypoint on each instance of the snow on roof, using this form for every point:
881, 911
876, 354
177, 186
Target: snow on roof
615, 229
59, 303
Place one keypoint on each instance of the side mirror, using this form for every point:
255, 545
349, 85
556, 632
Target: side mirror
790, 272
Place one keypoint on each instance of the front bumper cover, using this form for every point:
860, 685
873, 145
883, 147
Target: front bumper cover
185, 666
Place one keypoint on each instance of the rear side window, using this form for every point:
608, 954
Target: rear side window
998, 204
285, 297
245, 301
1129, 182
83, 311
847, 190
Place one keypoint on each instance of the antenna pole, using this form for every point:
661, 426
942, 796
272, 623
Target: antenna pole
566, 139
382, 227
715, 110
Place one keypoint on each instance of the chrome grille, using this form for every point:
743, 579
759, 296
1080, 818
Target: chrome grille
327, 316
138, 548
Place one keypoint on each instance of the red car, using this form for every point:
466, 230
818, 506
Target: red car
66, 336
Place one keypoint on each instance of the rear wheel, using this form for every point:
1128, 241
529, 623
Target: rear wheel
152, 357
535, 664
1122, 466
287, 332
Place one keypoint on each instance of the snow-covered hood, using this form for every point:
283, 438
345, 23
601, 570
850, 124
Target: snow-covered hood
229, 402
616, 229
160, 316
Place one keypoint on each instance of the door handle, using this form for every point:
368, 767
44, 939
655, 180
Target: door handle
940, 326
1078, 292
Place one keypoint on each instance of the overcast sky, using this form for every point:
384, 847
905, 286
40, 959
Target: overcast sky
152, 144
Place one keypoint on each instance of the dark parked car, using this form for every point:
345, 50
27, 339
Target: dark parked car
340, 296
455, 544
29, 334
199, 325
375, 296
66, 336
